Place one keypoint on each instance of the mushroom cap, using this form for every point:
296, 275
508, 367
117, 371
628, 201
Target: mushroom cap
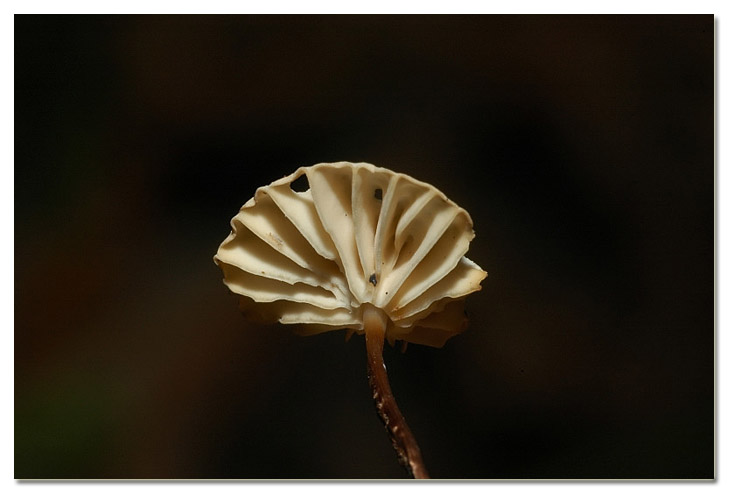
359, 236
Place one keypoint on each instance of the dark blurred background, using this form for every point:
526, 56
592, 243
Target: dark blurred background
581, 146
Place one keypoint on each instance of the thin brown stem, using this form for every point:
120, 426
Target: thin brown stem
404, 443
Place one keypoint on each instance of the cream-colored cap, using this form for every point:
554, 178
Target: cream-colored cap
358, 235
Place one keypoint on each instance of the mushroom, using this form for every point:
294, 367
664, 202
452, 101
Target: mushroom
358, 247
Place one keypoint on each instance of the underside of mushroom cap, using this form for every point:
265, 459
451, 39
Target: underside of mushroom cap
357, 234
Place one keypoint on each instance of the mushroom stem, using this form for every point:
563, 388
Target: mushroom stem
404, 443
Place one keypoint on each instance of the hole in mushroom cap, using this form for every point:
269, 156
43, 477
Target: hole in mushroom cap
379, 194
301, 184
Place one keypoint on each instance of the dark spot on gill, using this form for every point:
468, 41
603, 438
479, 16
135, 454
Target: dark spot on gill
373, 280
379, 194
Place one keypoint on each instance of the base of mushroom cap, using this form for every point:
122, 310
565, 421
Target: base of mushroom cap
374, 318
430, 332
